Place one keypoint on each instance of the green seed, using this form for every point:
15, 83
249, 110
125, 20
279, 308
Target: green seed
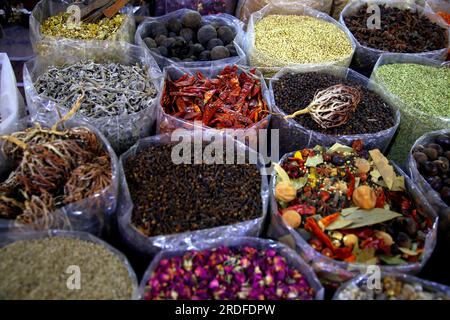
282, 40
37, 269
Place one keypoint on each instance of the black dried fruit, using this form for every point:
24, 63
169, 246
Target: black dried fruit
187, 34
443, 164
169, 43
431, 153
197, 48
192, 19
219, 52
160, 40
420, 157
206, 33
205, 56
173, 34
437, 147
174, 25
418, 148
436, 183
150, 43
232, 49
157, 28
163, 51
225, 34
445, 195
214, 43
430, 169
443, 141
403, 240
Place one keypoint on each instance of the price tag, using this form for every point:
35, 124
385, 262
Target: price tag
75, 16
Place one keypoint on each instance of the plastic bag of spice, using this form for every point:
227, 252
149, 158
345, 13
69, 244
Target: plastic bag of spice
366, 57
222, 19
93, 214
246, 7
415, 121
294, 136
44, 44
292, 258
204, 7
10, 98
122, 128
332, 271
441, 208
411, 288
167, 123
149, 246
95, 256
330, 39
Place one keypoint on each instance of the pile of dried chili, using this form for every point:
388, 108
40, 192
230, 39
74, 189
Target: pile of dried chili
350, 205
232, 99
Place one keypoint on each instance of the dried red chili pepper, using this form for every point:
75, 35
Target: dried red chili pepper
312, 225
381, 198
351, 185
303, 209
231, 100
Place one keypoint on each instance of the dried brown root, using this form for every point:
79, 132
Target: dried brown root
10, 208
86, 139
88, 180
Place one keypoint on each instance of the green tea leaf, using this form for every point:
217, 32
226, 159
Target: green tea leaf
282, 174
314, 161
392, 260
337, 147
300, 182
339, 224
363, 218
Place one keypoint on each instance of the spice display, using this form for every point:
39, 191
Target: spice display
433, 162
229, 100
190, 38
110, 90
282, 40
37, 270
172, 198
395, 288
56, 26
51, 168
353, 206
371, 114
203, 7
425, 93
401, 30
228, 273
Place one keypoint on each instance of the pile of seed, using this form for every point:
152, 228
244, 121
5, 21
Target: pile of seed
295, 91
56, 26
38, 269
289, 39
400, 31
110, 89
172, 198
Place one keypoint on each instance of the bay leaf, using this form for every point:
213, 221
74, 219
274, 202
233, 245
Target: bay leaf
337, 147
408, 251
399, 184
392, 260
382, 164
363, 218
314, 161
347, 211
282, 174
299, 183
339, 224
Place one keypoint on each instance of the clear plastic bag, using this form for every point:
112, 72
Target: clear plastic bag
365, 57
6, 239
122, 130
246, 7
205, 7
293, 136
267, 65
223, 19
333, 271
291, 256
93, 214
149, 246
361, 282
166, 123
11, 102
441, 208
414, 122
44, 45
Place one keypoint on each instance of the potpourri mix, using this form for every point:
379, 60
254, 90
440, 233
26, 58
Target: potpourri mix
229, 100
350, 205
228, 273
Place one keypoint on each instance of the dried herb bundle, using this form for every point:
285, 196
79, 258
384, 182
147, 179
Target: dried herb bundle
52, 168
